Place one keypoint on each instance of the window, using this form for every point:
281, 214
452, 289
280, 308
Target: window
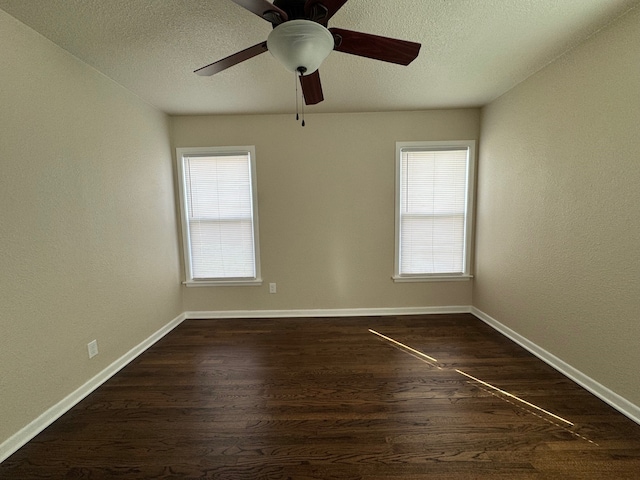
219, 215
434, 194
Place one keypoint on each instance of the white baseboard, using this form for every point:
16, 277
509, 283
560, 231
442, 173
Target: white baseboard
24, 435
618, 402
327, 312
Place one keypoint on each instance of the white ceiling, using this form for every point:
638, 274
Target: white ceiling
472, 50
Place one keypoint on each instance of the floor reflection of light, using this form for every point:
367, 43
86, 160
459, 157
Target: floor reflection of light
405, 346
510, 395
433, 362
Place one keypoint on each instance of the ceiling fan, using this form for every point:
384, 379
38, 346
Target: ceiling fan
301, 41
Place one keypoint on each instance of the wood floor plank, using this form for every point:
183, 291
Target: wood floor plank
325, 399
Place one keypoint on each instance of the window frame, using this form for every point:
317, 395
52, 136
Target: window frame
185, 152
466, 274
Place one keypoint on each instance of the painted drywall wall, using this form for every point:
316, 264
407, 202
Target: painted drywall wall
559, 208
87, 223
326, 207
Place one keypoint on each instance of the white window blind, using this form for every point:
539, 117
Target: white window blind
219, 207
432, 210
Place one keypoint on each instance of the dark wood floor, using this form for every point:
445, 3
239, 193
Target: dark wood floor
327, 399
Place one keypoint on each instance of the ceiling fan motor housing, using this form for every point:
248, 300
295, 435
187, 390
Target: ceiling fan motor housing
300, 45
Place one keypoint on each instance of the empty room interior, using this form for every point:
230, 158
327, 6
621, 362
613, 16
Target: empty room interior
344, 317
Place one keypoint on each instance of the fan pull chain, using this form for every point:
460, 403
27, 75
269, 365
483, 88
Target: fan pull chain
295, 78
299, 74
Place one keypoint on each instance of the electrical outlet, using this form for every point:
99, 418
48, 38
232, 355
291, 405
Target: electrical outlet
272, 288
92, 347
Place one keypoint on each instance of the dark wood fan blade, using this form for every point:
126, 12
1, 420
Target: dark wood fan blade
322, 10
232, 60
376, 47
311, 88
265, 10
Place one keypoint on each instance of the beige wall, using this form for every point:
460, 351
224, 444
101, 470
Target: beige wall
326, 207
87, 224
559, 208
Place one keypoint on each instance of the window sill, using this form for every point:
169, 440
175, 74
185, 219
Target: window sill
223, 283
432, 278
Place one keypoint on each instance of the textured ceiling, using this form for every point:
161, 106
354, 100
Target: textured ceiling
472, 50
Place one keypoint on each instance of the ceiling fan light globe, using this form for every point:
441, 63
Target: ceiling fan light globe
300, 44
